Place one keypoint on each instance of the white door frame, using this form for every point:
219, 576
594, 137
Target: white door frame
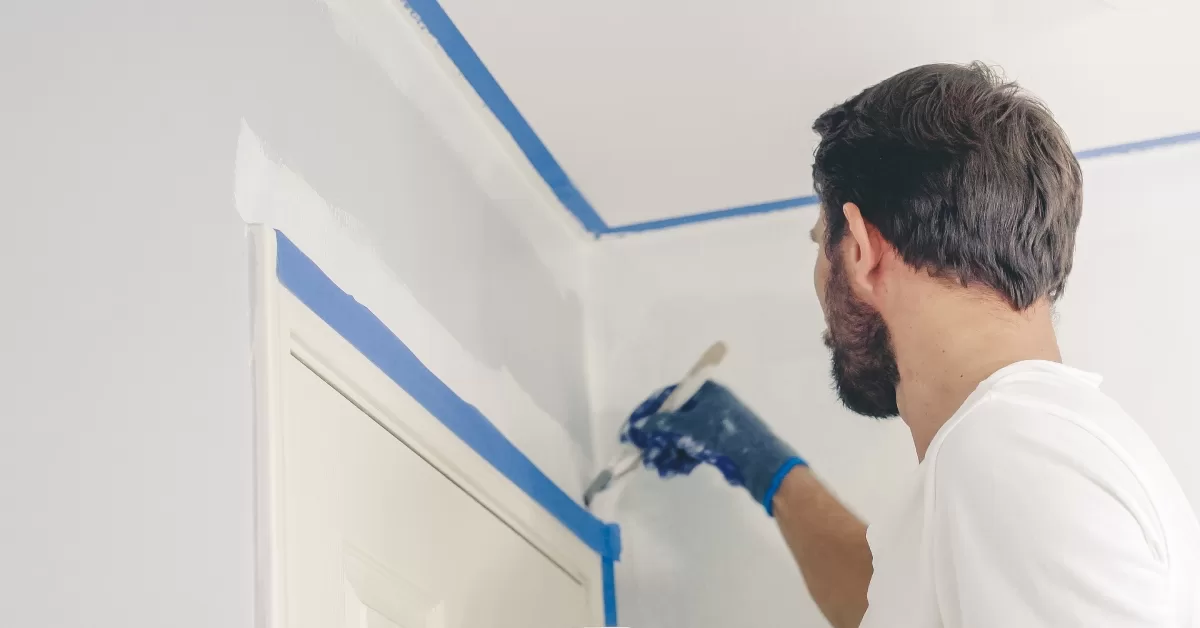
283, 326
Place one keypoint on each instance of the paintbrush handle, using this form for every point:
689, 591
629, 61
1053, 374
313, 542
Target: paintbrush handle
628, 458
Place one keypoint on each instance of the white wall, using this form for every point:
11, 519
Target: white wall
126, 468
701, 554
380, 163
134, 132
1129, 312
125, 429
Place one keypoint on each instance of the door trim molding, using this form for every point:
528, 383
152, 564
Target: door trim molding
344, 343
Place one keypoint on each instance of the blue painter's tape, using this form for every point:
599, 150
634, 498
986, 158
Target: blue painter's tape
373, 339
452, 41
802, 201
610, 592
473, 69
614, 541
746, 210
1157, 142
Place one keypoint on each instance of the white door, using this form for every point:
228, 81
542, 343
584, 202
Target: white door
376, 537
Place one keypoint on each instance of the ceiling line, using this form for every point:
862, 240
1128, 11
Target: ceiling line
473, 69
455, 45
745, 210
802, 201
1130, 147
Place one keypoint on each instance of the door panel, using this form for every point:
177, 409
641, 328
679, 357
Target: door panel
376, 537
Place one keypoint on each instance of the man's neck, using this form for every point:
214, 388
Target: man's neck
943, 357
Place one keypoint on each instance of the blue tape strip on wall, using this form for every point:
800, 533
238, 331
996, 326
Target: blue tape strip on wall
455, 45
1131, 147
434, 17
373, 339
610, 592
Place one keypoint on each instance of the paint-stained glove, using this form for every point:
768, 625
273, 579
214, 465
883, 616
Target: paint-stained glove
713, 427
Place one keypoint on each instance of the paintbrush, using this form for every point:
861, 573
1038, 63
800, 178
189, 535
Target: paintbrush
629, 456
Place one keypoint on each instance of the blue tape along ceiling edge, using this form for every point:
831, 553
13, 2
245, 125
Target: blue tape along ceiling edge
455, 45
431, 14
362, 329
747, 210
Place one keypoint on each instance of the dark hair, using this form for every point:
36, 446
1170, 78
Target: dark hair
965, 174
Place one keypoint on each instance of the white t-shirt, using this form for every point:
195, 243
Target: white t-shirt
1039, 503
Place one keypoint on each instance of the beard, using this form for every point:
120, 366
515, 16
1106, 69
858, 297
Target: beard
864, 365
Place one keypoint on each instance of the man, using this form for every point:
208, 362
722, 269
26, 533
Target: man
949, 205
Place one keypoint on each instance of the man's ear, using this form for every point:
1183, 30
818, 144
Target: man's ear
865, 251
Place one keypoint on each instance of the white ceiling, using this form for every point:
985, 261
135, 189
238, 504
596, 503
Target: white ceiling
664, 108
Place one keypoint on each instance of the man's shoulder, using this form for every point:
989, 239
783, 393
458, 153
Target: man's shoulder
1036, 448
1040, 411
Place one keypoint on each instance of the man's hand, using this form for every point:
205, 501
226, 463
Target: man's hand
715, 428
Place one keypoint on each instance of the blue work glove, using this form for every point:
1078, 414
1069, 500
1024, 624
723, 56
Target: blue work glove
713, 427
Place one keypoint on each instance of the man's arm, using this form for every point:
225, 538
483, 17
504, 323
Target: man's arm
830, 545
714, 427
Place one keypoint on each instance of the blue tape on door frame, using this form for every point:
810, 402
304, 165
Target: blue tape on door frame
610, 592
373, 339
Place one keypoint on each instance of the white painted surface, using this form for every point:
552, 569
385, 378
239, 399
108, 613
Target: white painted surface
395, 188
421, 504
377, 536
700, 554
348, 251
1129, 309
658, 109
127, 440
125, 408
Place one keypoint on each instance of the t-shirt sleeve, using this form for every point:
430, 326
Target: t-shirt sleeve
1037, 522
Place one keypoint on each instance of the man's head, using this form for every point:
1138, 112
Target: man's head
941, 177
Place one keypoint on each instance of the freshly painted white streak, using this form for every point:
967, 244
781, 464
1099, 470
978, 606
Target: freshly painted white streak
410, 154
701, 554
440, 202
389, 34
269, 193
